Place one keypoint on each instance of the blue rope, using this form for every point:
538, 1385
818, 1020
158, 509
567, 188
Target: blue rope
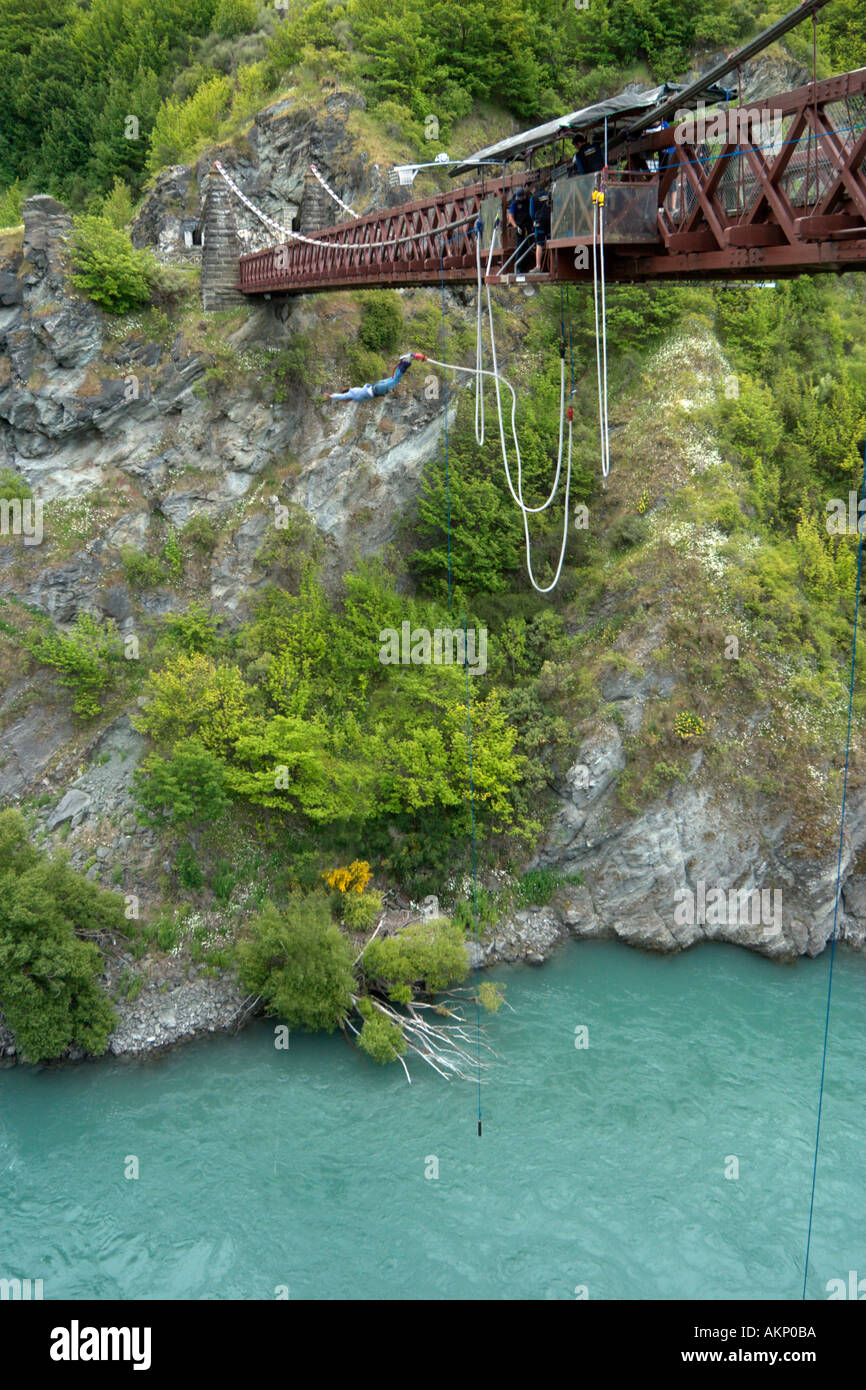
445, 394
468, 714
838, 883
474, 872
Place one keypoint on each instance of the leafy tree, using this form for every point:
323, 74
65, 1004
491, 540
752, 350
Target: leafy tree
49, 977
192, 631
299, 963
117, 205
182, 126
291, 764
752, 421
108, 268
234, 17
432, 954
380, 1038
86, 660
381, 320
192, 696
485, 527
119, 149
188, 786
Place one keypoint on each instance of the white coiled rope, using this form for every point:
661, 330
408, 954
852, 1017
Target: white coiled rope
479, 372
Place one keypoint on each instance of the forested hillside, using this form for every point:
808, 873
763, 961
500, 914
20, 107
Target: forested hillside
115, 89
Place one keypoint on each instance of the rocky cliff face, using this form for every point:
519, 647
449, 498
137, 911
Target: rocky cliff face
651, 881
271, 166
116, 432
651, 877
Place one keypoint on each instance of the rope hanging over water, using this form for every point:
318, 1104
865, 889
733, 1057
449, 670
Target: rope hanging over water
838, 887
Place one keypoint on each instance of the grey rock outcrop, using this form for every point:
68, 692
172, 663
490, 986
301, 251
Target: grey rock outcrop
160, 1018
73, 807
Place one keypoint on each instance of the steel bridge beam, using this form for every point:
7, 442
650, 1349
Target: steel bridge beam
728, 204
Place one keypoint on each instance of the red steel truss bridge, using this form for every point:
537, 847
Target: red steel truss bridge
773, 188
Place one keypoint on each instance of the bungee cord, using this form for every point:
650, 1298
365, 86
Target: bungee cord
480, 372
600, 337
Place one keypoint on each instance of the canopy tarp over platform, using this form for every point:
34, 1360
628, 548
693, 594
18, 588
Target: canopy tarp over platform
627, 103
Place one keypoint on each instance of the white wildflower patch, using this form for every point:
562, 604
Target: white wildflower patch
685, 371
205, 928
700, 453
702, 542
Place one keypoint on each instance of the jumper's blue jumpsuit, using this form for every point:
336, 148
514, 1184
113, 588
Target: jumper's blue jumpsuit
368, 391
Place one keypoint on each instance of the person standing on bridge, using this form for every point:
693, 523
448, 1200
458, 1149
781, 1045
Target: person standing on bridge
518, 218
370, 390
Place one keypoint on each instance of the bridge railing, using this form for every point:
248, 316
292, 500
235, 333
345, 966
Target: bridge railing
422, 236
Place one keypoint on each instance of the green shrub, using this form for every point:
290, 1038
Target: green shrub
381, 320
296, 364
234, 17
629, 530
172, 555
537, 887
87, 660
360, 910
49, 978
142, 571
11, 206
299, 963
489, 912
107, 267
194, 630
201, 533
117, 205
491, 996
379, 1038
430, 953
364, 365
188, 871
223, 881
181, 126
167, 933
12, 486
188, 787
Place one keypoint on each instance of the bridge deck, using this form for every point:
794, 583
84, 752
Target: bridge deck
776, 188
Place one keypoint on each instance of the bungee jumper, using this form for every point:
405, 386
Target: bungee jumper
370, 390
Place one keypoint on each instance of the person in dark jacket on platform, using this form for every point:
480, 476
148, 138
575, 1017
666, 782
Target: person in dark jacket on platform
519, 218
539, 211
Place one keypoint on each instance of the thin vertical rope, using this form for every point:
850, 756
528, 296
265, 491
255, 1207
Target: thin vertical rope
445, 395
838, 886
474, 870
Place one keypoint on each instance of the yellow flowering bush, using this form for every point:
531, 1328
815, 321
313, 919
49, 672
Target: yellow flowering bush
353, 879
689, 725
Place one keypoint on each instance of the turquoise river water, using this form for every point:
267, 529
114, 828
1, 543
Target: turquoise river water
601, 1168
